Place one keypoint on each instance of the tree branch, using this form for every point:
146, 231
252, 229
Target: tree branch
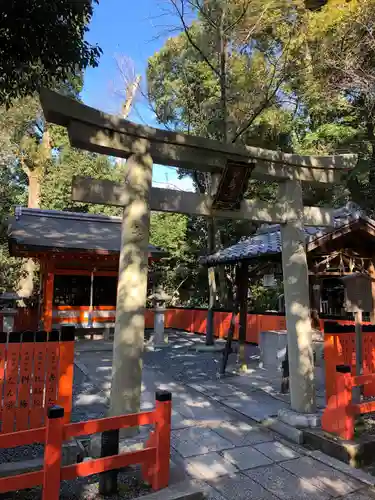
191, 41
203, 12
239, 18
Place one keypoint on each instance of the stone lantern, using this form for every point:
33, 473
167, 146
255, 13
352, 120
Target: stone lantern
158, 299
8, 310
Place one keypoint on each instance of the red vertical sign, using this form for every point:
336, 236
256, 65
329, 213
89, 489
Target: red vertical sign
11, 382
25, 378
52, 370
38, 382
3, 343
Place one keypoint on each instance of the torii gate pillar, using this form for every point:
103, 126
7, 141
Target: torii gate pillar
131, 288
297, 301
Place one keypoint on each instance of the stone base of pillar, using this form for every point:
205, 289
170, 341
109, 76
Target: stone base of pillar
157, 341
300, 420
162, 345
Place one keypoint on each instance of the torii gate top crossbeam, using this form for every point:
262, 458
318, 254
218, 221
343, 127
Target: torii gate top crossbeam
96, 131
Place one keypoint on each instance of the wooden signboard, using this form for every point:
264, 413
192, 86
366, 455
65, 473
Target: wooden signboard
232, 186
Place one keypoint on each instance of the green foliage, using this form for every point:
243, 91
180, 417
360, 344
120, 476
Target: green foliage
56, 184
42, 44
11, 193
169, 231
22, 152
264, 299
185, 91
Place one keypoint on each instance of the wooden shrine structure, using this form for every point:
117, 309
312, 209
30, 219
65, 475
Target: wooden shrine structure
230, 165
78, 255
332, 253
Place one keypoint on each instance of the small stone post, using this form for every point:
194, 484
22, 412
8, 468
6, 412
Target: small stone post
159, 298
297, 301
131, 289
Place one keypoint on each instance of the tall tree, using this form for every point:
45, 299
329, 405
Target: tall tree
335, 93
222, 78
42, 44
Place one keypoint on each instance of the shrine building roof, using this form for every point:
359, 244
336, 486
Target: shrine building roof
267, 240
37, 230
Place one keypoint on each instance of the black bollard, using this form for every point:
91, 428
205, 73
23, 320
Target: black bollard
285, 370
110, 446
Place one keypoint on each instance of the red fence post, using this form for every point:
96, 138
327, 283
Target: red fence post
53, 453
338, 416
163, 411
66, 368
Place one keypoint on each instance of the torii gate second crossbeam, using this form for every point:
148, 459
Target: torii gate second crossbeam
95, 131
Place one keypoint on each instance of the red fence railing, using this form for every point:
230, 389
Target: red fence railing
340, 412
154, 457
339, 349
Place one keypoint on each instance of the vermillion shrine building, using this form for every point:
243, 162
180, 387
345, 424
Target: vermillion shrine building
78, 255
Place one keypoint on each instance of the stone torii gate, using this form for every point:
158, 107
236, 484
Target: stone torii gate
98, 132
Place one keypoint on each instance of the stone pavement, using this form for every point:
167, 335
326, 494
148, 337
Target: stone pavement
217, 440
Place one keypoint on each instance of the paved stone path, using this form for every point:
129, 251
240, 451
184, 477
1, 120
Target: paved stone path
217, 440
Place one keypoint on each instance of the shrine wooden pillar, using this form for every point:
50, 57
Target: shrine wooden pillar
243, 282
371, 271
315, 291
48, 288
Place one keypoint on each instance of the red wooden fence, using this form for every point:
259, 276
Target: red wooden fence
339, 349
195, 321
339, 415
36, 372
154, 457
190, 320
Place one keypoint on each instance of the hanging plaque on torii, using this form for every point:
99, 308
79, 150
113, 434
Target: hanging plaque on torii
232, 185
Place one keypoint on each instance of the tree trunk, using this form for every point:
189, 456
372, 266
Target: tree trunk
26, 284
224, 117
34, 189
371, 176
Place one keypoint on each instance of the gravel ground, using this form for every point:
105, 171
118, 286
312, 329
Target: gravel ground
84, 388
181, 362
88, 489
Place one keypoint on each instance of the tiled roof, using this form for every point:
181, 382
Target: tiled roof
267, 240
55, 230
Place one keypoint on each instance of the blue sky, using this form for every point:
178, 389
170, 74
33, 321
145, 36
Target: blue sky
136, 29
